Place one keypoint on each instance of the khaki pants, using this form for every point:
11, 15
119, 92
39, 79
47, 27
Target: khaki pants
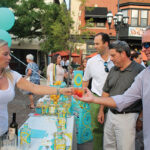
119, 131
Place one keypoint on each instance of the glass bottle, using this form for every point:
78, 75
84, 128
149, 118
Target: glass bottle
25, 137
59, 141
52, 108
13, 127
44, 108
62, 123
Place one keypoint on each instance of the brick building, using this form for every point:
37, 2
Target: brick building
93, 15
138, 12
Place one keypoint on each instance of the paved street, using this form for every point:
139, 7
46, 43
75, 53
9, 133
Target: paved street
19, 105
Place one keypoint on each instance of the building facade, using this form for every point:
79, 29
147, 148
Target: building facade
93, 16
138, 12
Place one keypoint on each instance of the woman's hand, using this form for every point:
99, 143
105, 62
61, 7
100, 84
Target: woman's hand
86, 97
66, 91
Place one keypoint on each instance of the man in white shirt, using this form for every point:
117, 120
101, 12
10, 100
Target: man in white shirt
97, 68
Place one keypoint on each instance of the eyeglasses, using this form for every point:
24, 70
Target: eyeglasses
106, 66
146, 45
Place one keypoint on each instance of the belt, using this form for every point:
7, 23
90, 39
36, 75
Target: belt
122, 112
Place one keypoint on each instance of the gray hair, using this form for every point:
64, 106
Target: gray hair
2, 43
120, 46
30, 56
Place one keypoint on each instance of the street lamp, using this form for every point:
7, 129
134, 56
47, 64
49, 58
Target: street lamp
119, 20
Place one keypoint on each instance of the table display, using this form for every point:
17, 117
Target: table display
52, 126
44, 129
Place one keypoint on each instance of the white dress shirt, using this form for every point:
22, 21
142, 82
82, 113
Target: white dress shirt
95, 69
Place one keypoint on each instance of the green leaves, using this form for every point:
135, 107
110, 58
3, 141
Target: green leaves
56, 25
50, 23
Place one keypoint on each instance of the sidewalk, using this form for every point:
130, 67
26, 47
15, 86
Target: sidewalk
19, 105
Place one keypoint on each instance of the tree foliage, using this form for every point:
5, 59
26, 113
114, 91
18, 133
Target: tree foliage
8, 3
50, 23
56, 28
28, 19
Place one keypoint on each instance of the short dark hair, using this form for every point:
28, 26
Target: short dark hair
105, 37
54, 58
120, 46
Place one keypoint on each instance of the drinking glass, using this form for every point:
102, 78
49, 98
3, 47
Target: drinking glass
8, 143
59, 141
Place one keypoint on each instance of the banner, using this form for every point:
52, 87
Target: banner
78, 75
136, 31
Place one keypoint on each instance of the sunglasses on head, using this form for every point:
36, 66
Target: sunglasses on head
106, 67
146, 45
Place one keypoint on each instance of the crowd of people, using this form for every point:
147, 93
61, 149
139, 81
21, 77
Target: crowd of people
126, 94
111, 72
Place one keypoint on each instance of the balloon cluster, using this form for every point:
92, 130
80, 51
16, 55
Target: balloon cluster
7, 20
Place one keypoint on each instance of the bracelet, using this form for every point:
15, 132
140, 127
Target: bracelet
58, 92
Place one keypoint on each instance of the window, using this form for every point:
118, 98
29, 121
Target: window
134, 18
125, 13
143, 18
100, 22
94, 22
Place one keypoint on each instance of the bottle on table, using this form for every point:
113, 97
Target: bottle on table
59, 141
9, 142
13, 128
25, 137
52, 108
45, 108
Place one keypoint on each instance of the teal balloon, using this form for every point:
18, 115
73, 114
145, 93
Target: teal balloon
7, 18
4, 35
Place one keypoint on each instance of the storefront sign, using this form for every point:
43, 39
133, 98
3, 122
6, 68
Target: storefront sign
136, 31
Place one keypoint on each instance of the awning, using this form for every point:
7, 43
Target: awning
61, 53
65, 53
75, 55
95, 12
